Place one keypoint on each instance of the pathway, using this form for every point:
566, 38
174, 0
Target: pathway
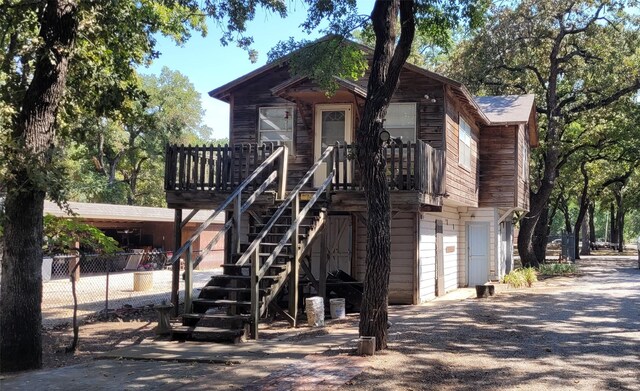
563, 334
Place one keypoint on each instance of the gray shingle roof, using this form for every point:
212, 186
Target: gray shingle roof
109, 212
505, 109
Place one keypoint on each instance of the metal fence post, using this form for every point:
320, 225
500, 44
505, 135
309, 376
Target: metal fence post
106, 298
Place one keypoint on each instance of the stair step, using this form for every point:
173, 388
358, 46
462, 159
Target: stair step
239, 277
222, 302
203, 333
274, 244
245, 318
182, 330
251, 236
282, 226
228, 289
264, 255
247, 265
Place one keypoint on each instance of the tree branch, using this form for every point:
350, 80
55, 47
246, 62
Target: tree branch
607, 100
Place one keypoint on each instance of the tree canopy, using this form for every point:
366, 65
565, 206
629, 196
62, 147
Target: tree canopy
577, 57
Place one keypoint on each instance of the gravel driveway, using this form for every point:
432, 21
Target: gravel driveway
564, 333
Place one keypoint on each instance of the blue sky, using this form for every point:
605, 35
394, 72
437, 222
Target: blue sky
208, 64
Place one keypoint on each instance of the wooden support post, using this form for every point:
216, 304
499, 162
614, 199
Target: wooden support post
228, 239
175, 267
295, 270
283, 163
254, 284
322, 290
188, 280
237, 219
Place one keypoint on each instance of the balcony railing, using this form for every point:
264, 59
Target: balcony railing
412, 166
213, 168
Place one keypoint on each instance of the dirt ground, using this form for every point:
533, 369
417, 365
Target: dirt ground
580, 333
569, 333
127, 327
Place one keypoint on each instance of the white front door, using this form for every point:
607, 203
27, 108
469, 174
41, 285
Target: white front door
332, 123
478, 253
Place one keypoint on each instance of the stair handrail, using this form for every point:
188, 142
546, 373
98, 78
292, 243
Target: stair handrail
281, 150
253, 247
294, 225
204, 252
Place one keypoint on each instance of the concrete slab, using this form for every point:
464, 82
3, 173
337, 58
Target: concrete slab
204, 352
456, 295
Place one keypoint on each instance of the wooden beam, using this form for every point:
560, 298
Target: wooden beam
282, 312
254, 284
175, 267
307, 271
322, 286
295, 262
189, 217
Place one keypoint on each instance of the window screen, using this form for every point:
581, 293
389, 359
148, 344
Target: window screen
464, 156
401, 121
275, 124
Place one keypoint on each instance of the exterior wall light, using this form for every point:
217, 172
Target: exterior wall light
384, 136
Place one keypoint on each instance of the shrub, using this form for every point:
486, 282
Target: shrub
515, 278
530, 276
557, 269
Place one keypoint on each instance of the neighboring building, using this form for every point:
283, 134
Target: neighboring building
141, 227
458, 178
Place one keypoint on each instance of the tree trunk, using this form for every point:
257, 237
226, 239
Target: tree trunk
592, 223
21, 287
586, 242
540, 235
388, 60
619, 219
564, 206
538, 202
34, 136
583, 204
613, 232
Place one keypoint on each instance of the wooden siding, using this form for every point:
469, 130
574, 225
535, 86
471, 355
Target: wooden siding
498, 168
461, 183
403, 256
247, 98
412, 87
522, 181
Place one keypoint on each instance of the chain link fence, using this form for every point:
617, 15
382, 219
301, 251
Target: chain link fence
108, 282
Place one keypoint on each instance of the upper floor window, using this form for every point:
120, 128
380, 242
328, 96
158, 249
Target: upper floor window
464, 145
276, 125
401, 121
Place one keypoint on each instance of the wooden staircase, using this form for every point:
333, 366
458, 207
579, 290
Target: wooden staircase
222, 312
229, 307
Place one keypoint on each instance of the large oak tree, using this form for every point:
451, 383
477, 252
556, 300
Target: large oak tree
115, 37
576, 56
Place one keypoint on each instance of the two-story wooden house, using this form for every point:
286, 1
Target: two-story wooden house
457, 168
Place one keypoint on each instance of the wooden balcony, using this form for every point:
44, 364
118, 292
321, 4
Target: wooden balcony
200, 176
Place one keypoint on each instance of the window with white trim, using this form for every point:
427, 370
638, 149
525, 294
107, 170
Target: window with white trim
464, 144
401, 121
275, 125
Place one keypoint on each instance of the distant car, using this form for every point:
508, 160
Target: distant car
555, 243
